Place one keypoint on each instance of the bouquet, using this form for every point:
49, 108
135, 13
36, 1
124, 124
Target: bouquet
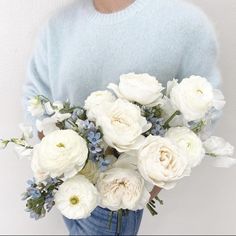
124, 141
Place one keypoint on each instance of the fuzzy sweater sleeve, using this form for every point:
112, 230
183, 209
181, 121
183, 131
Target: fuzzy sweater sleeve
37, 75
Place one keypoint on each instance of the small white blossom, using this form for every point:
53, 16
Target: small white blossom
35, 107
27, 131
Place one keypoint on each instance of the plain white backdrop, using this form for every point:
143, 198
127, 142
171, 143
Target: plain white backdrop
204, 203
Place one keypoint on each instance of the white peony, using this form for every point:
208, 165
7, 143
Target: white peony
35, 107
193, 97
49, 124
221, 150
122, 125
189, 143
77, 198
161, 162
95, 100
141, 88
122, 189
62, 152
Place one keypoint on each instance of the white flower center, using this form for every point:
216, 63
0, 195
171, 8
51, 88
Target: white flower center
74, 200
61, 145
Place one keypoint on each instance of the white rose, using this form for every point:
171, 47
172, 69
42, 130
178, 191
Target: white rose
77, 198
221, 150
95, 100
193, 97
35, 107
141, 88
161, 162
122, 125
90, 171
62, 152
189, 143
122, 189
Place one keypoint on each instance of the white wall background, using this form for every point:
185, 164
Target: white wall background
205, 203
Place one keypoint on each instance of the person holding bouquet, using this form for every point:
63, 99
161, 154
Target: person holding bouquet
92, 42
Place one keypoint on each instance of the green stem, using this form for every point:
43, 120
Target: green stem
211, 154
119, 221
166, 125
152, 211
110, 219
159, 200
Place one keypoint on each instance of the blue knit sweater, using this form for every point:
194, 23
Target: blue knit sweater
81, 50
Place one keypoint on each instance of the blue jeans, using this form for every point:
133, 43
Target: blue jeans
98, 223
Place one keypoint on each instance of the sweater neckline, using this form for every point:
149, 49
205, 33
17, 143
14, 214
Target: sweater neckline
115, 17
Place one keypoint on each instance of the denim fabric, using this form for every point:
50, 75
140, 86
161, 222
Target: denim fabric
97, 223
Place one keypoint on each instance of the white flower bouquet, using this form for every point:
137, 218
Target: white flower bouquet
122, 143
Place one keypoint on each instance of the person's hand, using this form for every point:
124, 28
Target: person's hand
155, 191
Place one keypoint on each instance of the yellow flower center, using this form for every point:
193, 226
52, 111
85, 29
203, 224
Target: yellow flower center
74, 200
61, 145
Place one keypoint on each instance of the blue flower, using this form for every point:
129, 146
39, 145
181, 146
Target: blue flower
34, 193
34, 215
77, 113
94, 148
88, 125
94, 137
157, 128
31, 182
49, 201
95, 157
103, 164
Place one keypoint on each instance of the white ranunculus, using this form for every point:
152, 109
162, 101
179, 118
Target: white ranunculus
35, 107
189, 143
77, 198
161, 162
95, 100
193, 97
141, 88
90, 171
122, 125
221, 151
27, 131
39, 174
49, 124
122, 189
62, 152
